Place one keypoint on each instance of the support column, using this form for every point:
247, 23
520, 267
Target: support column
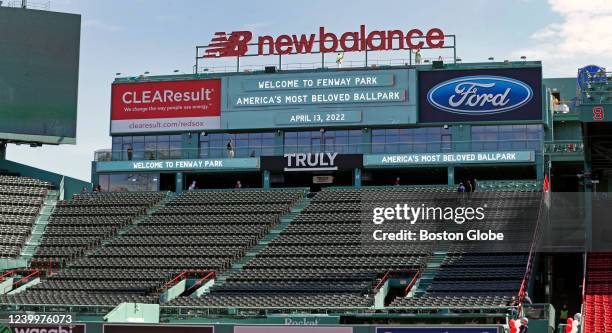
357, 177
451, 175
2, 150
266, 179
179, 182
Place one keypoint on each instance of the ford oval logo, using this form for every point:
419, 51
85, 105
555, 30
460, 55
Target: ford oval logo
480, 95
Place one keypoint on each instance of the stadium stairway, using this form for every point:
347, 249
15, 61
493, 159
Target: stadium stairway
428, 274
40, 225
285, 220
169, 196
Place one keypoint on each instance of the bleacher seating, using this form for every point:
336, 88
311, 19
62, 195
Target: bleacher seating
321, 258
196, 231
81, 223
471, 275
20, 201
597, 314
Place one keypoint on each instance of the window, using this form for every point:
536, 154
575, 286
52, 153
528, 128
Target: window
507, 137
411, 140
214, 145
340, 141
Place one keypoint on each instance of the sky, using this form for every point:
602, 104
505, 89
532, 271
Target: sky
134, 36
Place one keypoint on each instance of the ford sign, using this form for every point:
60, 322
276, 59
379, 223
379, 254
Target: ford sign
480, 95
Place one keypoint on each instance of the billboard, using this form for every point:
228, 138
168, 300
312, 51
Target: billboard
49, 328
417, 159
143, 107
293, 329
156, 328
312, 162
480, 95
39, 75
371, 97
439, 329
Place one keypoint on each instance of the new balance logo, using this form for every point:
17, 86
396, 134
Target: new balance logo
233, 45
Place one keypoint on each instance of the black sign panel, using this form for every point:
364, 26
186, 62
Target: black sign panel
480, 95
160, 328
312, 162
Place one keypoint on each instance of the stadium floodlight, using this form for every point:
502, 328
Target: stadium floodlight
146, 73
491, 58
523, 58
458, 59
117, 74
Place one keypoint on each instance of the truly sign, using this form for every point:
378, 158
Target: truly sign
236, 43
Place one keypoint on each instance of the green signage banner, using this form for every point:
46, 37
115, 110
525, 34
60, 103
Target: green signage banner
384, 160
220, 164
342, 80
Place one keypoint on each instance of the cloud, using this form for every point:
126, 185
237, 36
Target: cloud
581, 38
97, 24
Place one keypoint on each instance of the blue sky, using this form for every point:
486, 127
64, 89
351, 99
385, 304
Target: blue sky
134, 36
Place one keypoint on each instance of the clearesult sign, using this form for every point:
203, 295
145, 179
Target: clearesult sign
238, 43
190, 105
388, 160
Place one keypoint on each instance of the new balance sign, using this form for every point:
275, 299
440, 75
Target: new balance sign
237, 43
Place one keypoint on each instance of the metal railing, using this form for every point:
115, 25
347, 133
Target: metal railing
564, 147
596, 88
405, 147
371, 63
39, 5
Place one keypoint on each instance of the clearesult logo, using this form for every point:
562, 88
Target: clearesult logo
480, 95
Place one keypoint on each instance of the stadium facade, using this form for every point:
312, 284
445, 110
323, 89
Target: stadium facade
340, 126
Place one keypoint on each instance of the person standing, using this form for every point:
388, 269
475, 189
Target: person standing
230, 149
461, 188
192, 186
130, 152
524, 327
469, 187
397, 181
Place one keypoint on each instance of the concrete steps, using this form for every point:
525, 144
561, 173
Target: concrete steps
40, 225
428, 274
285, 220
150, 211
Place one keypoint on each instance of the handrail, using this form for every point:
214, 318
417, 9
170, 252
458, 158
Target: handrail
175, 280
7, 273
199, 282
399, 147
62, 189
412, 282
584, 272
382, 281
530, 259
20, 280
